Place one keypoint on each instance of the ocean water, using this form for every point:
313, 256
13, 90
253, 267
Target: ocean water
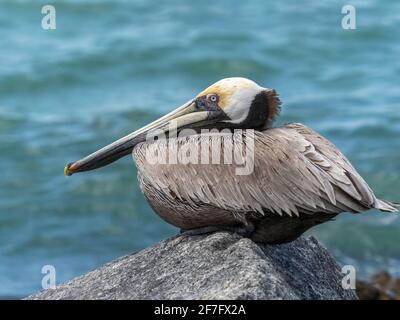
112, 66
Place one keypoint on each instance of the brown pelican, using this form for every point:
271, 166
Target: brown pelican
298, 179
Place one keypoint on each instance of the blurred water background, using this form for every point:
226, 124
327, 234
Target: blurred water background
112, 66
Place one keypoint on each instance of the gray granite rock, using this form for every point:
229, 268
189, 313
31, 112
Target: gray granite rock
216, 266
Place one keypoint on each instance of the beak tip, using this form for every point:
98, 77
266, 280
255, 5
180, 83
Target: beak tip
67, 171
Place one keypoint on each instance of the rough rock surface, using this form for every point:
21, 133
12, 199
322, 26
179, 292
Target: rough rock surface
215, 266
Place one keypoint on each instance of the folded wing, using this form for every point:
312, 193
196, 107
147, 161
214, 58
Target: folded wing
296, 171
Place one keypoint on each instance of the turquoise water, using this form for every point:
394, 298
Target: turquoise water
112, 66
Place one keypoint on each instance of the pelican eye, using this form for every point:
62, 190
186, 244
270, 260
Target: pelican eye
212, 97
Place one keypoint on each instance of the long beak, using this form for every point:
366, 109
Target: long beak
184, 116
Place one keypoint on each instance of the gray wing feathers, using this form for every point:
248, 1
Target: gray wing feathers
296, 171
351, 182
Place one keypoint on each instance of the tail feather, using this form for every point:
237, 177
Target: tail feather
387, 206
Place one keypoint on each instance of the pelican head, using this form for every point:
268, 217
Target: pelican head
234, 103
